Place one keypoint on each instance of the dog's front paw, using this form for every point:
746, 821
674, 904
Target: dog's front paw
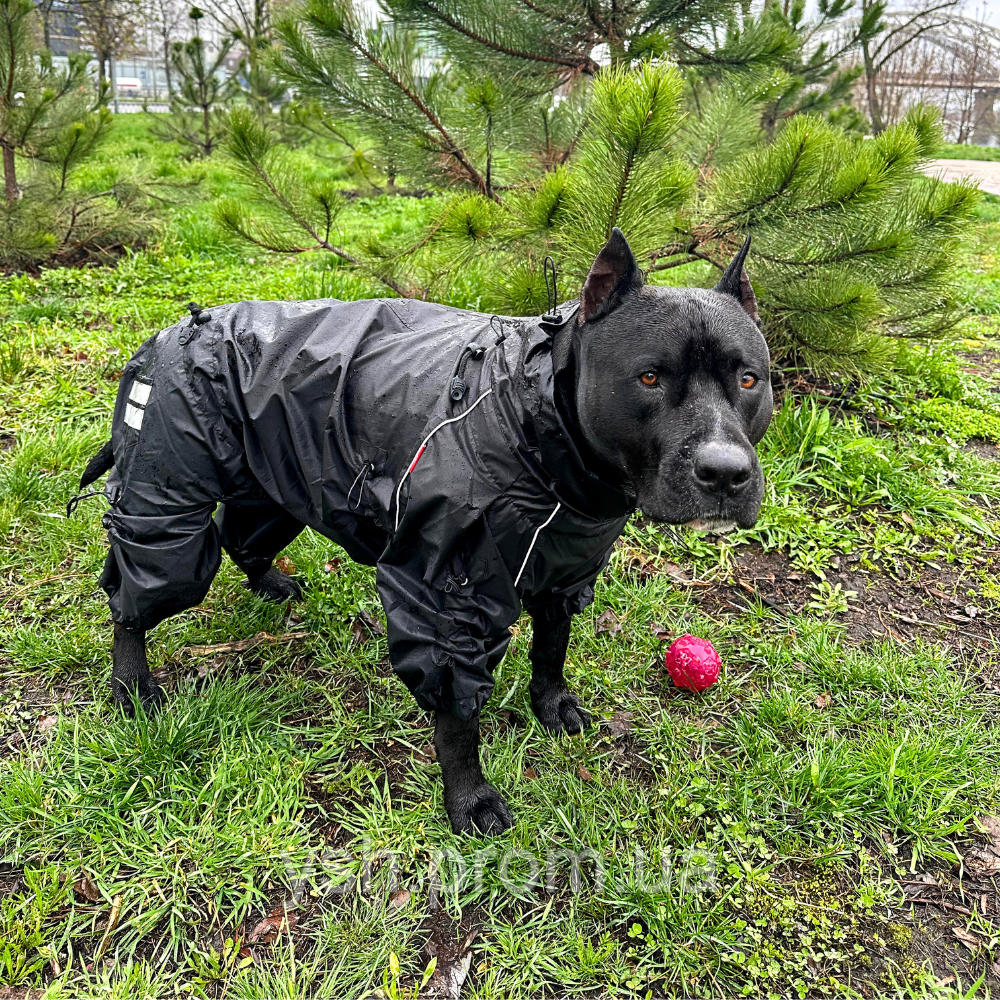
559, 710
482, 810
274, 586
150, 696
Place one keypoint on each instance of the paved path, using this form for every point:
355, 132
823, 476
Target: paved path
986, 172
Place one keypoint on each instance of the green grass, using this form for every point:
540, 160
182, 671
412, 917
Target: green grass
751, 840
967, 151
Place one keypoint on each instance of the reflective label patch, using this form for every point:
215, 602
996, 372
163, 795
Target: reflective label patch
133, 416
140, 392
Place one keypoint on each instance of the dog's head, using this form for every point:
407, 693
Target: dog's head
673, 388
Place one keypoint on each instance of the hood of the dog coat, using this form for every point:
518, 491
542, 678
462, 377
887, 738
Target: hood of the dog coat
342, 413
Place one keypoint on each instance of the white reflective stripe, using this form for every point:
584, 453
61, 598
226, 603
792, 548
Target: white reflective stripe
140, 392
133, 416
534, 538
423, 444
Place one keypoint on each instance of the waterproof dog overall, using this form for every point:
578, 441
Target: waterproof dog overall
425, 440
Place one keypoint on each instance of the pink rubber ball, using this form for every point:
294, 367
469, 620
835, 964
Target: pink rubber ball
693, 663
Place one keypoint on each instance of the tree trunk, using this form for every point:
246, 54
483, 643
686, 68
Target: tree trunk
870, 77
207, 120
10, 189
166, 65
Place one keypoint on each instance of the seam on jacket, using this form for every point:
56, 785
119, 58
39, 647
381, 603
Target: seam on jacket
423, 445
534, 538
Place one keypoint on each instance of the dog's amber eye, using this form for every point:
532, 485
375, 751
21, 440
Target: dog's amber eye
748, 381
649, 378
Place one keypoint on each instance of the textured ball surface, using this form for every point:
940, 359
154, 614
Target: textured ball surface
693, 663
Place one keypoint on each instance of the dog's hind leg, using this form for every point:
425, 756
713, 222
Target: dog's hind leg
130, 676
554, 705
253, 536
471, 801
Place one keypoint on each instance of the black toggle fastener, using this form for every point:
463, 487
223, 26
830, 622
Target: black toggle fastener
198, 315
459, 387
552, 314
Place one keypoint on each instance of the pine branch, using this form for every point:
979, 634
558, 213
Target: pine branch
579, 64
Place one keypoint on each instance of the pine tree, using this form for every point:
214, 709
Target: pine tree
439, 126
197, 104
852, 245
38, 102
248, 22
560, 42
291, 216
694, 136
49, 126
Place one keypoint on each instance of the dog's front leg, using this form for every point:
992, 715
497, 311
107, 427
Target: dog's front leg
130, 676
471, 801
554, 705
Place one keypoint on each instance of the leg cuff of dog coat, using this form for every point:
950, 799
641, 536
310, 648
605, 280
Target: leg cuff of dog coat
158, 566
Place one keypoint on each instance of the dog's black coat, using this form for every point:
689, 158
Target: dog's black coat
339, 416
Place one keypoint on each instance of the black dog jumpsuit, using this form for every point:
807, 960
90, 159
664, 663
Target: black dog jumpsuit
340, 416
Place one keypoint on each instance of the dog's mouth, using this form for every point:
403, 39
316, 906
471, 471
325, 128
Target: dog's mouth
712, 525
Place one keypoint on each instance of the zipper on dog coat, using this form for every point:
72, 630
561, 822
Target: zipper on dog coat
423, 446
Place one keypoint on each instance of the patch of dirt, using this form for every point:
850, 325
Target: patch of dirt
954, 913
932, 603
29, 709
983, 448
450, 944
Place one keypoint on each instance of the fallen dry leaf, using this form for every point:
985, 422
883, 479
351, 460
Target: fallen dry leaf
372, 622
991, 824
260, 639
366, 625
286, 565
448, 978
984, 862
659, 632
823, 701
113, 917
585, 774
399, 899
84, 887
47, 721
81, 356
276, 922
620, 723
607, 621
530, 773
967, 938
331, 565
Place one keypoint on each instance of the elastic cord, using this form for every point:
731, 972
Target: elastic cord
75, 502
362, 477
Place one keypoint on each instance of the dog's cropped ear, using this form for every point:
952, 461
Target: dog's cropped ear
736, 282
613, 273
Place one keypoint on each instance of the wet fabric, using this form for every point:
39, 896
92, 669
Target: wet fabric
234, 429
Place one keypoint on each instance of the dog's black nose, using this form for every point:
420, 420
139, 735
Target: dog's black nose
722, 468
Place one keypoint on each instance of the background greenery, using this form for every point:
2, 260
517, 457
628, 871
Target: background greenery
841, 755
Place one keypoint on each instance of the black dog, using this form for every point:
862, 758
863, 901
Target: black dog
483, 465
